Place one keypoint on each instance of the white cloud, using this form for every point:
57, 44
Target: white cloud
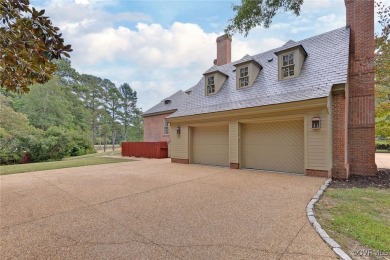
82, 2
320, 5
159, 60
155, 60
331, 21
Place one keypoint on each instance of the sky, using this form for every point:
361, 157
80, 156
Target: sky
160, 47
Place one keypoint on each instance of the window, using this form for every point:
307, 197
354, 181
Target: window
210, 85
288, 65
166, 127
244, 77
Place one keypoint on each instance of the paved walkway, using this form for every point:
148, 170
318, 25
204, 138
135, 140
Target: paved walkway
382, 160
152, 209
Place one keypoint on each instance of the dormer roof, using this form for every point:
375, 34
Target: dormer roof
247, 58
216, 68
288, 47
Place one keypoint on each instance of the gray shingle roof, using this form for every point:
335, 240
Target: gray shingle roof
325, 65
244, 59
175, 101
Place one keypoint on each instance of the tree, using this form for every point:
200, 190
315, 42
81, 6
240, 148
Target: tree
136, 130
13, 126
91, 92
129, 106
113, 103
252, 13
382, 73
46, 105
28, 45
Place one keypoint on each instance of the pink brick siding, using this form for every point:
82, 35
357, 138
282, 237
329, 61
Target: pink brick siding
154, 128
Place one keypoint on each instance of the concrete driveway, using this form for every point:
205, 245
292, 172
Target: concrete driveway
152, 209
382, 160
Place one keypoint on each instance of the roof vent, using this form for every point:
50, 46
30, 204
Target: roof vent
270, 59
167, 101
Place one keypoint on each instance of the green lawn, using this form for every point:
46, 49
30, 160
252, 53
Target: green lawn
89, 159
357, 218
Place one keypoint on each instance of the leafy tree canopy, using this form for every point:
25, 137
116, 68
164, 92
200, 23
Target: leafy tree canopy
252, 13
28, 45
382, 73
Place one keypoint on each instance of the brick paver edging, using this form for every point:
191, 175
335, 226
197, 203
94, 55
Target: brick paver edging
310, 215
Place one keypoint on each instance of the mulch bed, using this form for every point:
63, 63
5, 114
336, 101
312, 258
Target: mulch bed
357, 181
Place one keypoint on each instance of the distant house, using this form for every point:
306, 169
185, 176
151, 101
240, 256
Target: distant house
306, 107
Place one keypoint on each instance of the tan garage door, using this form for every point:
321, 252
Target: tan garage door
210, 145
276, 146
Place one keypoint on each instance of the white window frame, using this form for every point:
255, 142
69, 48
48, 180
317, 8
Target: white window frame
166, 127
210, 88
243, 80
289, 67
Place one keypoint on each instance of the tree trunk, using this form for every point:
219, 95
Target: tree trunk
113, 140
105, 142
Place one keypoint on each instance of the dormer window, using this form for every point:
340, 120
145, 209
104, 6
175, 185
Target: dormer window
213, 81
290, 61
288, 65
244, 77
247, 70
210, 85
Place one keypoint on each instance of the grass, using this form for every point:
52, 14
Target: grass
357, 215
382, 151
77, 161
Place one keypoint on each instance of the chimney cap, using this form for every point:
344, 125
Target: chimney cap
223, 38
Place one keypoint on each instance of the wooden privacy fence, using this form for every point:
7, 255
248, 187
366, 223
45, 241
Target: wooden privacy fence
145, 149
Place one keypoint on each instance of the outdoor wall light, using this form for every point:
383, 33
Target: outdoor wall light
178, 130
316, 123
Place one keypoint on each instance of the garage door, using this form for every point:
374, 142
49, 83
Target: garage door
276, 146
210, 145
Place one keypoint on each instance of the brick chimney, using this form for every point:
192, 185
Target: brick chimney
224, 50
360, 92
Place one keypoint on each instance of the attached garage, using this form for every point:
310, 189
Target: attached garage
210, 145
274, 146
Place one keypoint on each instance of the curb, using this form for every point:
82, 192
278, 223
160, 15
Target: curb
312, 219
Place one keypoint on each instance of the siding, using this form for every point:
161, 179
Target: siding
234, 142
154, 128
318, 142
179, 143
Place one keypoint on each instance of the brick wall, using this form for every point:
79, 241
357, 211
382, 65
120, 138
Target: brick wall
339, 142
317, 173
154, 128
361, 111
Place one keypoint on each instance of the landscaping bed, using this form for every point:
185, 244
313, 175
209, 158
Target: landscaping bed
356, 181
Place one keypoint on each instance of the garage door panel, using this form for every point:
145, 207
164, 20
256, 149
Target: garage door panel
276, 146
210, 145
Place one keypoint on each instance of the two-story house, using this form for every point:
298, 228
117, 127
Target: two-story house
306, 107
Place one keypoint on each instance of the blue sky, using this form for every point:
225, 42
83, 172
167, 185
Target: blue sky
160, 47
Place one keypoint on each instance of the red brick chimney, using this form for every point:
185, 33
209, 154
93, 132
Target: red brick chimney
224, 50
360, 93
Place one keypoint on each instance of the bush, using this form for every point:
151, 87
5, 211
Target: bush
382, 143
55, 143
80, 143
